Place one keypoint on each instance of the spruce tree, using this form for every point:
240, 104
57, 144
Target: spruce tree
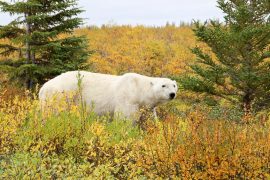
238, 66
40, 42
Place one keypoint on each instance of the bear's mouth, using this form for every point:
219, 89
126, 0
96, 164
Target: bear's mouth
165, 99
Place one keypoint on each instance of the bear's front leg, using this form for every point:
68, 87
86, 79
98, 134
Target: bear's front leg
128, 111
155, 113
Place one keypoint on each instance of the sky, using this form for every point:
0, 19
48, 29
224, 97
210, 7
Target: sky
143, 12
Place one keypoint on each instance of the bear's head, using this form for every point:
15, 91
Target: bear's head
164, 89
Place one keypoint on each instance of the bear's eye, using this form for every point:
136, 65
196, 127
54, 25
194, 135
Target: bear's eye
173, 85
163, 86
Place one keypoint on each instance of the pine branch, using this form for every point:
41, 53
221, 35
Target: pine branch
8, 49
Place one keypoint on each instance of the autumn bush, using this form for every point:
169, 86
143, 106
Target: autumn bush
181, 144
153, 51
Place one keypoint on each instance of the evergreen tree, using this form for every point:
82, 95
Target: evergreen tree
238, 67
41, 40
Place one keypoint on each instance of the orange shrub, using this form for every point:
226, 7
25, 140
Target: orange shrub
199, 148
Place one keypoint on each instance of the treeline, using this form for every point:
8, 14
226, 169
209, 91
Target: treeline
153, 51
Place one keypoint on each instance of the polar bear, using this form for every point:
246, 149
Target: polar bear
113, 94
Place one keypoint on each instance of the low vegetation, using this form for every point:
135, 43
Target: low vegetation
186, 142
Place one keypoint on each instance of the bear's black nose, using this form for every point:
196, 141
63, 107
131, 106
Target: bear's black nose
172, 95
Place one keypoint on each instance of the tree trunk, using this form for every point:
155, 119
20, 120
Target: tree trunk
33, 61
247, 104
28, 81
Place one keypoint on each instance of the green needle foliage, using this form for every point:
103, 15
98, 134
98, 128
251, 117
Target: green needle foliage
238, 67
41, 39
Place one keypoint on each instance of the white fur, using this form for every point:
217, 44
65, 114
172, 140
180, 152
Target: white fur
110, 94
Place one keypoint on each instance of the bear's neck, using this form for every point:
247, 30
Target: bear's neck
148, 98
149, 101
